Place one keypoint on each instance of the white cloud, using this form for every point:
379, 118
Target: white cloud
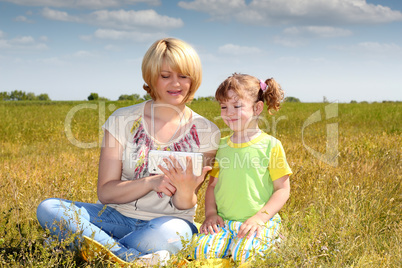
372, 48
126, 35
23, 19
23, 40
52, 14
380, 47
300, 36
289, 42
317, 31
118, 19
238, 50
92, 4
20, 43
218, 9
130, 19
273, 12
113, 34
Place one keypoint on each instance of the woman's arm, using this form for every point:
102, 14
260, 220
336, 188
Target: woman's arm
186, 183
111, 189
274, 204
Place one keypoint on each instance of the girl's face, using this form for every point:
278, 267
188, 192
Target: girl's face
171, 86
238, 114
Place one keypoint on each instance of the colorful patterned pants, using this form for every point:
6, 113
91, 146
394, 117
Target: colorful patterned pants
226, 243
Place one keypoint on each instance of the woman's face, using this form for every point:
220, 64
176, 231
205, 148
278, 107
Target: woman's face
172, 87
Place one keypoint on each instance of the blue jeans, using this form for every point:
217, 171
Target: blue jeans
121, 234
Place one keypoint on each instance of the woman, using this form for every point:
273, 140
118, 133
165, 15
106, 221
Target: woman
139, 213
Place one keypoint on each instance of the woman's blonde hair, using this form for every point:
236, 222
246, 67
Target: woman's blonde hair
180, 56
247, 86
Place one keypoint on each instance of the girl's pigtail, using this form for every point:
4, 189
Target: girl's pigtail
273, 95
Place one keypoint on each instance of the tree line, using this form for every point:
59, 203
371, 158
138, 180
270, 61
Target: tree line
135, 97
18, 95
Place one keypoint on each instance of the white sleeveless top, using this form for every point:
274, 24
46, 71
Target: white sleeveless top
127, 126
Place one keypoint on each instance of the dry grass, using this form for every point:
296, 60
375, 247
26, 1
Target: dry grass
347, 215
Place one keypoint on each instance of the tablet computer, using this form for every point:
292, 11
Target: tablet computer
156, 157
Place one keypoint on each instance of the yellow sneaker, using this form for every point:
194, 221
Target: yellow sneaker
92, 249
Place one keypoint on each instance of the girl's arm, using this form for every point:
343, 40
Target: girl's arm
186, 183
111, 189
212, 219
274, 204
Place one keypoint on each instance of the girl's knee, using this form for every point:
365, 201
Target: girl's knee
246, 248
212, 245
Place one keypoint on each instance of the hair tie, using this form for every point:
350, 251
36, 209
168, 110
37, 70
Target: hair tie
263, 86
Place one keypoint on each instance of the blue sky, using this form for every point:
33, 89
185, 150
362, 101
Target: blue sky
341, 49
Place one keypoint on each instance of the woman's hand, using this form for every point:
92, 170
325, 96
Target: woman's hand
185, 181
250, 226
211, 224
162, 184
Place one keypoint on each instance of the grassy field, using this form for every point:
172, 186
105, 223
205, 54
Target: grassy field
343, 211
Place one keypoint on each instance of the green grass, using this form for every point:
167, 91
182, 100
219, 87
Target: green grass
345, 215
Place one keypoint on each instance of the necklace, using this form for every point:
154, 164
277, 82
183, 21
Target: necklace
153, 122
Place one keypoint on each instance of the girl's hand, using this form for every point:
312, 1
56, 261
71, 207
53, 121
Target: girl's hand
183, 180
250, 226
162, 184
211, 224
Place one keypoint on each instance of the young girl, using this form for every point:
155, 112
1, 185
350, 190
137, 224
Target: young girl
250, 180
137, 212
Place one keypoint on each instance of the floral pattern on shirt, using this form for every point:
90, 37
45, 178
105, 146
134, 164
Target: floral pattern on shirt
143, 143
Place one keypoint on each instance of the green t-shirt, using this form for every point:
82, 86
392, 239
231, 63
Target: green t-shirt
245, 175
